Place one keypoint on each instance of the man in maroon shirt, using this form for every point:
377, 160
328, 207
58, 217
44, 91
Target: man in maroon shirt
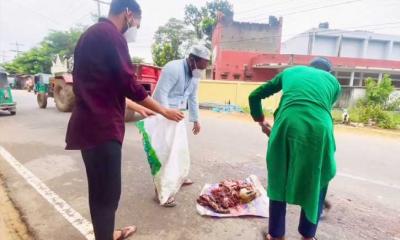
103, 77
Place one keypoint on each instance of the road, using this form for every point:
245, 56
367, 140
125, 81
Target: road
365, 194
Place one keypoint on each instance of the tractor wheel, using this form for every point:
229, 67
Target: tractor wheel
64, 96
13, 112
42, 100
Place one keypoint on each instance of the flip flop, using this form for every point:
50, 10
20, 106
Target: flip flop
187, 182
170, 203
268, 237
126, 232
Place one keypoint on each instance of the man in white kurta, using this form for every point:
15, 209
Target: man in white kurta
178, 86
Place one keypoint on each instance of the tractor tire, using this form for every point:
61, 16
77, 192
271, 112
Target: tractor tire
64, 96
13, 112
42, 100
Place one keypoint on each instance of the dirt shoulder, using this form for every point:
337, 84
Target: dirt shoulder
12, 226
339, 128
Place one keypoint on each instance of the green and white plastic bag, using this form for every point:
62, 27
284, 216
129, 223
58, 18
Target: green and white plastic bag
166, 146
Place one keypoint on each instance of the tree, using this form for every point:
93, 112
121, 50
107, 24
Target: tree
203, 19
163, 53
63, 43
39, 59
171, 41
379, 92
137, 60
372, 108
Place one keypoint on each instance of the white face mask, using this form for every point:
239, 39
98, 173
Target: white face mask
131, 34
197, 73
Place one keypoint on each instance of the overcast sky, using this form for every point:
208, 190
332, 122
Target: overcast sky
28, 21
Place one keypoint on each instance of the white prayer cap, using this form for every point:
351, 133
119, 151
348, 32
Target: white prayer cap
201, 52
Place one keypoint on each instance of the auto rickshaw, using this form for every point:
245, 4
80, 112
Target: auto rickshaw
6, 99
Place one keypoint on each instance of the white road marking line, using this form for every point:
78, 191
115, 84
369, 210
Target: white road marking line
73, 217
381, 183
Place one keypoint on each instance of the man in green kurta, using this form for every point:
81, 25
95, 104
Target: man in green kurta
301, 148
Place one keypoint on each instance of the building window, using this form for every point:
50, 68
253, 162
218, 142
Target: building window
248, 78
343, 78
396, 84
224, 76
395, 80
236, 76
369, 75
357, 79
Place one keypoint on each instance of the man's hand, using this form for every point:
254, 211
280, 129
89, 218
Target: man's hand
173, 115
196, 128
265, 127
170, 114
144, 112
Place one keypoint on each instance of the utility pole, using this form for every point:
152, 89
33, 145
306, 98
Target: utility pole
99, 2
3, 56
17, 49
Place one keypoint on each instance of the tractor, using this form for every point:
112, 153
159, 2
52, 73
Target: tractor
59, 85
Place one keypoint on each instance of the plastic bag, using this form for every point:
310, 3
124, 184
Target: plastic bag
166, 145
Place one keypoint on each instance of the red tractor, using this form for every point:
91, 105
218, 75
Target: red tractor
60, 86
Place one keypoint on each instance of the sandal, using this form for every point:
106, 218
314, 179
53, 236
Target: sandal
269, 237
187, 182
125, 232
170, 203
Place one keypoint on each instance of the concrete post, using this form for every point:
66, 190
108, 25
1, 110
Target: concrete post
389, 51
339, 44
365, 48
352, 79
380, 77
361, 79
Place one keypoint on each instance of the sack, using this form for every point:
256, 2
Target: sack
166, 146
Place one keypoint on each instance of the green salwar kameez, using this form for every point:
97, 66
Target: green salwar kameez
300, 157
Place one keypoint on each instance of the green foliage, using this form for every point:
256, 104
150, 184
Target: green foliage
393, 104
378, 93
137, 60
376, 114
337, 115
203, 19
39, 59
193, 17
171, 41
163, 53
372, 108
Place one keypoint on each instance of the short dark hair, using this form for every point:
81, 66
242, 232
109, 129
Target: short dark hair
321, 63
196, 58
119, 6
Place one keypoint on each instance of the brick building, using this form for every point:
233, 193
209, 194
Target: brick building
236, 43
356, 55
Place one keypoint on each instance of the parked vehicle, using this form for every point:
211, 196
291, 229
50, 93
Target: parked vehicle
59, 86
6, 99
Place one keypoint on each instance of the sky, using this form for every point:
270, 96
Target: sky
26, 22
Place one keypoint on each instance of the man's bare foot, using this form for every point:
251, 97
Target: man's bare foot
187, 182
124, 233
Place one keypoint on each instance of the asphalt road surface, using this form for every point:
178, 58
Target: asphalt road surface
365, 194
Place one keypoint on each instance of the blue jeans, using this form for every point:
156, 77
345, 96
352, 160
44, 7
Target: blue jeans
277, 215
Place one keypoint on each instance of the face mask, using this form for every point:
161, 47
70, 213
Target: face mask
131, 33
197, 73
